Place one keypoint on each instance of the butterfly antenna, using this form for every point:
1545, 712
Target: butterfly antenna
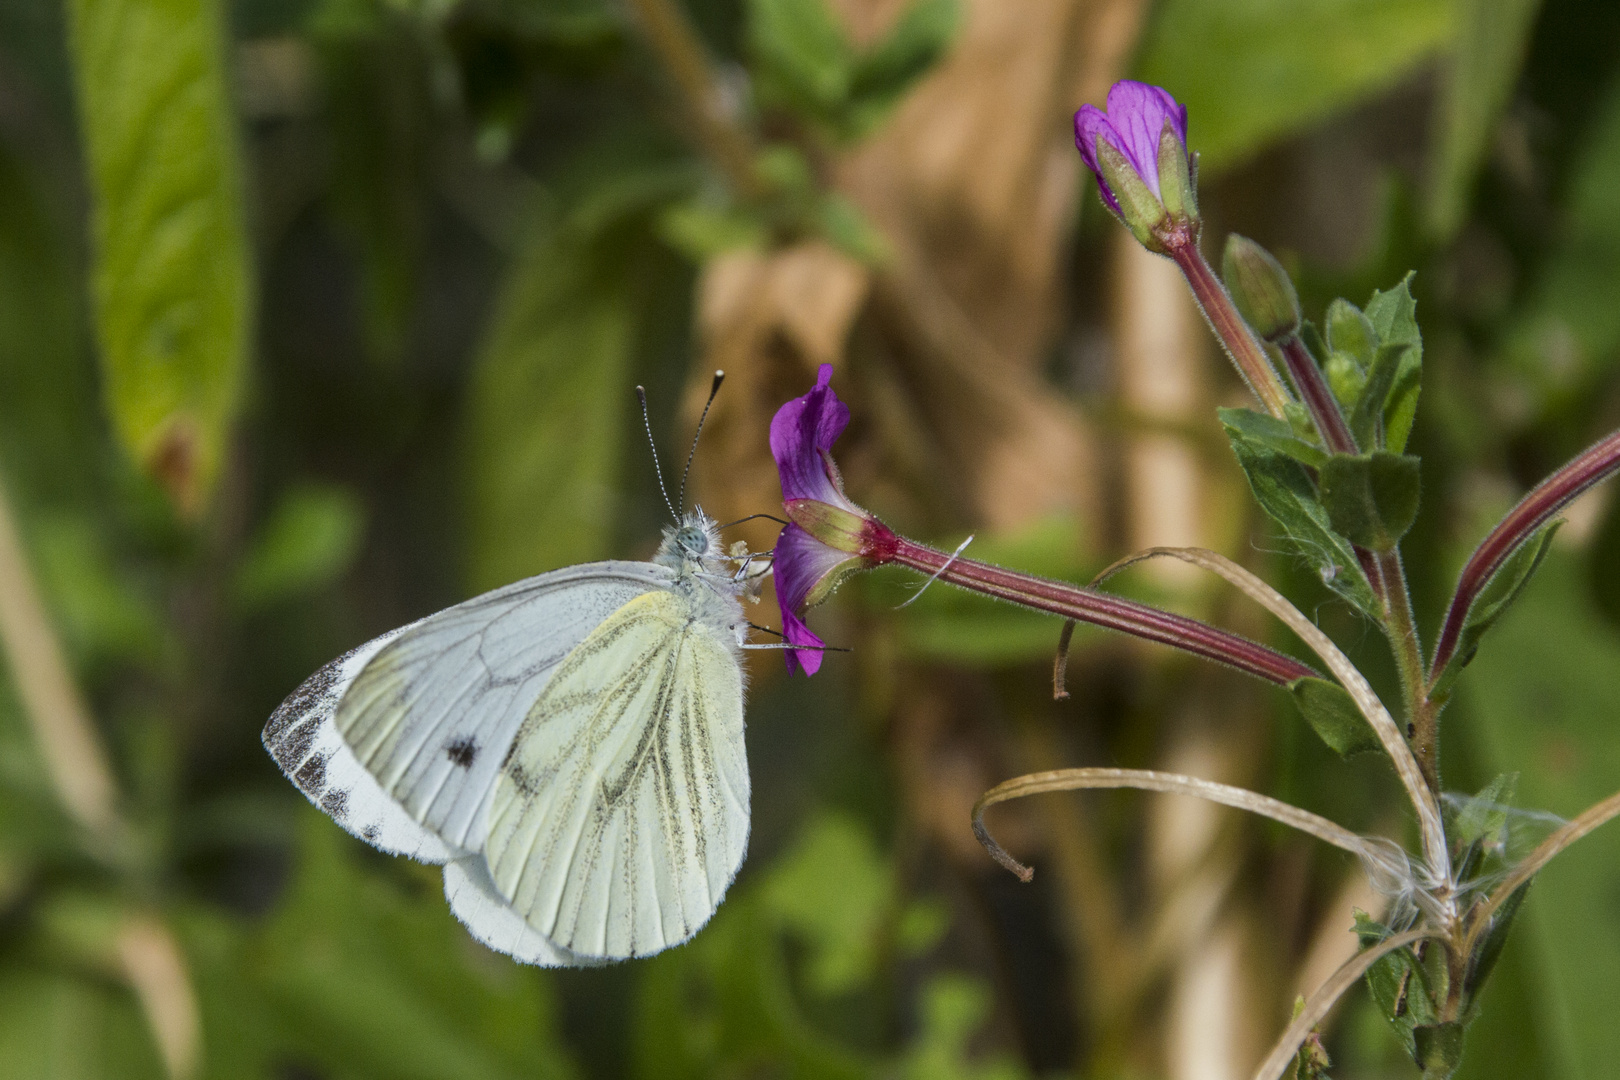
719, 377
641, 396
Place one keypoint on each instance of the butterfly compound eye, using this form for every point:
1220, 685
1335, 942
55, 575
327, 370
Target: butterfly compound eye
692, 540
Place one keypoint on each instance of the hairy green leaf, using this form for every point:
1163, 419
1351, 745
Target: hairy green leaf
173, 285
1372, 400
1333, 715
1494, 600
1398, 983
1371, 499
1438, 1048
1273, 433
1284, 490
1393, 314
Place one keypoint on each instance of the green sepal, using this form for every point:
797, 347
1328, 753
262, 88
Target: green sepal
1273, 433
1175, 179
1333, 715
1493, 601
1437, 1048
1398, 984
1286, 492
1349, 331
1139, 208
1393, 314
1371, 499
1367, 414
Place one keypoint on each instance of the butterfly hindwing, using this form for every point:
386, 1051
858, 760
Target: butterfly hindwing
620, 813
434, 710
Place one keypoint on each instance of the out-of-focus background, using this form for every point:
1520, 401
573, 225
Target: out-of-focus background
317, 316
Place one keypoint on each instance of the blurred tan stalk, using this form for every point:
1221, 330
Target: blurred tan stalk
78, 767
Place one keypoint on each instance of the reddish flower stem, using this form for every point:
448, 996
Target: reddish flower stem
1317, 396
1597, 462
1233, 333
1105, 610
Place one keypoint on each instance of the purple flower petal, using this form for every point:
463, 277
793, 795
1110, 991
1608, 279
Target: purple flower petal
1090, 122
1133, 125
802, 431
801, 562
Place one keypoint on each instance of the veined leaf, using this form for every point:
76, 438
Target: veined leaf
1284, 490
173, 285
1333, 715
1393, 313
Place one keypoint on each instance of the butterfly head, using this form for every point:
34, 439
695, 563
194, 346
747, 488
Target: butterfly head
694, 544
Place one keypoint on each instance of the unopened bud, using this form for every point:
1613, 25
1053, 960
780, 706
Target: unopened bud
1349, 331
1261, 288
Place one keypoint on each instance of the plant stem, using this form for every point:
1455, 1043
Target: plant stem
1597, 462
1317, 396
1105, 610
1423, 724
1234, 334
683, 55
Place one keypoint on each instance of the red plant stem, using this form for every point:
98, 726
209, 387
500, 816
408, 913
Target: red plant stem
1233, 333
1597, 462
1318, 397
1105, 610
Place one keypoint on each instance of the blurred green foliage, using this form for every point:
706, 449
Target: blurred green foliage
315, 316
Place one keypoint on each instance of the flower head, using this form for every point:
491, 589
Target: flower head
1138, 151
829, 536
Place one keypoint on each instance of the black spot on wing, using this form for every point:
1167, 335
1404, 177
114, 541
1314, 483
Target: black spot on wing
311, 775
462, 752
336, 803
370, 833
291, 745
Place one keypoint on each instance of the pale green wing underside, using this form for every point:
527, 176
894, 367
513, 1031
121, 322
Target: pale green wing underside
620, 814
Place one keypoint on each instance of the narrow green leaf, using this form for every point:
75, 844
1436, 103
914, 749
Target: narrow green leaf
802, 55
1273, 433
1494, 600
547, 411
311, 536
1372, 400
883, 74
1250, 71
1487, 52
1393, 313
1286, 493
1489, 949
173, 285
1333, 715
1372, 499
1398, 984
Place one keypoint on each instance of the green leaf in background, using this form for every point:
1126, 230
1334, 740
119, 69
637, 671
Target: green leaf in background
309, 540
1284, 490
1372, 499
803, 55
102, 614
833, 890
1333, 715
368, 974
885, 72
1393, 313
1486, 55
1574, 298
58, 1026
553, 386
953, 1009
1250, 71
173, 284
1494, 600
1543, 694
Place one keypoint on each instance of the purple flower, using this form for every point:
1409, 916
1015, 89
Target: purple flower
1133, 125
829, 536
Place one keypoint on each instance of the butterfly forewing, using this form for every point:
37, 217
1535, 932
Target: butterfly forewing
620, 813
433, 712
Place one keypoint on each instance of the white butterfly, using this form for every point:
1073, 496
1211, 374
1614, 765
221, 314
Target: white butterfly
569, 747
